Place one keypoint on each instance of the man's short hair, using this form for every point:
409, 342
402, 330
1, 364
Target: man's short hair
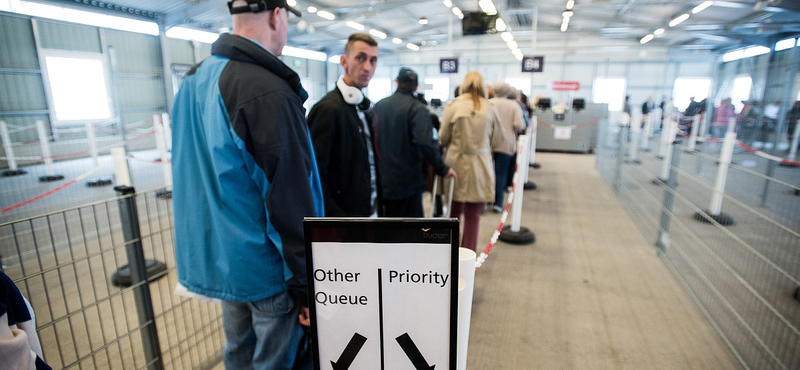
364, 37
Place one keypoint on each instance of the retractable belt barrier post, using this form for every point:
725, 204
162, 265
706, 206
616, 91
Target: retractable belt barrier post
94, 182
644, 144
632, 147
166, 164
693, 137
535, 125
515, 234
466, 285
8, 146
665, 137
715, 206
673, 131
795, 141
167, 130
531, 147
121, 171
46, 155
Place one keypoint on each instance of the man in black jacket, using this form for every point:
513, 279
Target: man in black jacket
341, 129
406, 147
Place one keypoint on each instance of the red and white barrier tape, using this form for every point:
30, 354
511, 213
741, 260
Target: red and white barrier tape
574, 127
485, 254
752, 150
60, 187
767, 156
86, 152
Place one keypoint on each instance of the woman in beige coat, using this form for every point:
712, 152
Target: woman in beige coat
470, 128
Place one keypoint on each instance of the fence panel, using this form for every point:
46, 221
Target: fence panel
744, 277
63, 263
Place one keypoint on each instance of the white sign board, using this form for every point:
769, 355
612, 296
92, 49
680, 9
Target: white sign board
562, 132
382, 293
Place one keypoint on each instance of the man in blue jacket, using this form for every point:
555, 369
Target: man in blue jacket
406, 147
245, 177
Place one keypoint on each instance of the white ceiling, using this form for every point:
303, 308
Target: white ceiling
596, 23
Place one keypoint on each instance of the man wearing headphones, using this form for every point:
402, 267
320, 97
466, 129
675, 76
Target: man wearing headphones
341, 126
245, 177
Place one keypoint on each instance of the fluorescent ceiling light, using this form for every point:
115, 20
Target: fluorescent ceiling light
412, 46
303, 53
457, 11
355, 25
564, 27
312, 9
784, 44
512, 45
81, 17
756, 50
184, 33
327, 15
518, 56
679, 20
423, 21
507, 36
377, 33
658, 32
500, 25
567, 13
397, 41
733, 55
646, 39
487, 6
448, 3
701, 7
570, 4
291, 3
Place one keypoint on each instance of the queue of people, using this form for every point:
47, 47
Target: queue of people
248, 166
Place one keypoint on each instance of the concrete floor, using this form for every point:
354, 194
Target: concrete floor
590, 293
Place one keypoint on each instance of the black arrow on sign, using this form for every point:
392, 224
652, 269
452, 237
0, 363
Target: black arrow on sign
350, 352
413, 353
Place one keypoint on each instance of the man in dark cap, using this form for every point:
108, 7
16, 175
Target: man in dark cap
405, 148
245, 177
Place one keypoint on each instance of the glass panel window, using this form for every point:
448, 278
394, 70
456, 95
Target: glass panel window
610, 91
686, 88
78, 89
439, 89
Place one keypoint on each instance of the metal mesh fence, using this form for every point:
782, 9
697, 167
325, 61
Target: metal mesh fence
744, 276
63, 263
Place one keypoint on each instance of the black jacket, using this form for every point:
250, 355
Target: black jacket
342, 156
405, 142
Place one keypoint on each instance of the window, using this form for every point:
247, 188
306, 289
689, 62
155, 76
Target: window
686, 88
440, 89
78, 89
741, 91
610, 91
379, 88
521, 84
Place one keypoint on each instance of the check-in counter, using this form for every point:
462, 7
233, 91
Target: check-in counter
573, 131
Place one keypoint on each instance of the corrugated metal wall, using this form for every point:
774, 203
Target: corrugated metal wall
22, 97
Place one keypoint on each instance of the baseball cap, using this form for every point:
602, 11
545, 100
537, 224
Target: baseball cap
256, 6
407, 75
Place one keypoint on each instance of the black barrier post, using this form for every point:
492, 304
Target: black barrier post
669, 200
129, 218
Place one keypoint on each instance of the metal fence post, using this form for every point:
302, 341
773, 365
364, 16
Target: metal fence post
669, 200
129, 218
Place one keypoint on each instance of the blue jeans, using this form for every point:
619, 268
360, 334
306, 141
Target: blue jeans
261, 335
502, 164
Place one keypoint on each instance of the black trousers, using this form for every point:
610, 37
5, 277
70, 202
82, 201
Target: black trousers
406, 207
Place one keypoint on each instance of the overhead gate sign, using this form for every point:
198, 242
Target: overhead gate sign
382, 291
